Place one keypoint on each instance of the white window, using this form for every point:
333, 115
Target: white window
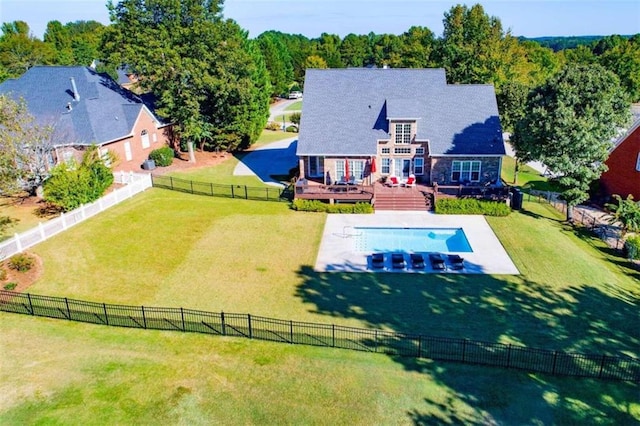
418, 166
402, 150
420, 150
67, 156
356, 170
385, 151
154, 137
144, 136
106, 159
638, 163
127, 151
468, 171
403, 133
386, 166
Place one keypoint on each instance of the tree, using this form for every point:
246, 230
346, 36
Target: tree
315, 61
19, 51
25, 148
626, 212
206, 74
277, 60
569, 125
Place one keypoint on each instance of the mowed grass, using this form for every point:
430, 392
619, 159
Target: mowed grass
163, 248
296, 106
57, 372
23, 212
528, 178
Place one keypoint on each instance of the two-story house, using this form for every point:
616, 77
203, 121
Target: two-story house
366, 124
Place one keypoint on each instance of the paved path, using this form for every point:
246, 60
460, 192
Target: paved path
276, 158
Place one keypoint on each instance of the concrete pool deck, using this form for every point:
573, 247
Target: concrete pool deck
337, 251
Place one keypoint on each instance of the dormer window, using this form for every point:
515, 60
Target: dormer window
403, 133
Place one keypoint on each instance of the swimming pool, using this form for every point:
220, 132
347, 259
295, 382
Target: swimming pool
376, 239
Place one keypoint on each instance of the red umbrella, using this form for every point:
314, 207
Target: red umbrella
346, 169
373, 164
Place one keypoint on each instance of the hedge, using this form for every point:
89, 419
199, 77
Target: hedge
472, 206
162, 157
632, 247
319, 206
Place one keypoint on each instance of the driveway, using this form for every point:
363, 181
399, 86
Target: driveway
276, 158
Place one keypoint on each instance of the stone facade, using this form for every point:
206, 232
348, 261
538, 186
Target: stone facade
442, 168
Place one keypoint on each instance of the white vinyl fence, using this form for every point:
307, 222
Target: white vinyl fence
134, 184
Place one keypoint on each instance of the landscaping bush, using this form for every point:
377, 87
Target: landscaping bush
272, 125
292, 129
319, 206
632, 247
163, 157
21, 262
3, 274
72, 184
471, 206
10, 286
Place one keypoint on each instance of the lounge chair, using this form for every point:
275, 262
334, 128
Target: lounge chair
393, 181
411, 182
456, 261
437, 262
417, 261
377, 260
397, 261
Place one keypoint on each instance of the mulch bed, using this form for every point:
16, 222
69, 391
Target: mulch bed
22, 279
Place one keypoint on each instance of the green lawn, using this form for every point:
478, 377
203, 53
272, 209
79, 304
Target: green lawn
528, 178
296, 106
23, 210
162, 248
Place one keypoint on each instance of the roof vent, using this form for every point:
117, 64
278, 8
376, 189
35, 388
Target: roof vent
76, 95
69, 107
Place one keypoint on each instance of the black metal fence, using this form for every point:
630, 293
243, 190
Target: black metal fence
219, 190
335, 336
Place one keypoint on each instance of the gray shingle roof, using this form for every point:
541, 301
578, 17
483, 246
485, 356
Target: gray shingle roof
345, 111
105, 111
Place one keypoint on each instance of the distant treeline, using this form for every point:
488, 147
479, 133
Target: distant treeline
557, 43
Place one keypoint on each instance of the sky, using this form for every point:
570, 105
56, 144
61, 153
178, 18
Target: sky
528, 18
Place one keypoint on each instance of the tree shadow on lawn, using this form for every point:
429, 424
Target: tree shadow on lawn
512, 309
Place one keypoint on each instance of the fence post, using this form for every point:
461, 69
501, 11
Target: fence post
64, 222
267, 193
291, 329
602, 366
420, 346
30, 304
464, 349
232, 194
246, 194
555, 358
224, 328
211, 184
171, 182
182, 316
249, 323
375, 340
144, 318
82, 212
106, 317
66, 302
191, 183
18, 243
41, 229
333, 335
509, 356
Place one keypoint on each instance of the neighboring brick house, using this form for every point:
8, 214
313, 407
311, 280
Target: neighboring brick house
89, 108
623, 176
407, 121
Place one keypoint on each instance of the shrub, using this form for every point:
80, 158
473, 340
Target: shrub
471, 206
3, 274
292, 129
163, 157
272, 125
632, 247
72, 184
21, 262
10, 286
319, 206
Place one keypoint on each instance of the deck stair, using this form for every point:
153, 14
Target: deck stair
403, 199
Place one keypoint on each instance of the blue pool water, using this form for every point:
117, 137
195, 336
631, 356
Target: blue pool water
370, 239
